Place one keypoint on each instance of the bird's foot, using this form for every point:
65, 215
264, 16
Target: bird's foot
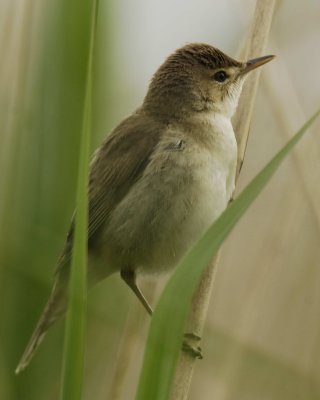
190, 345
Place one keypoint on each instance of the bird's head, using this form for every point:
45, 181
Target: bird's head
199, 78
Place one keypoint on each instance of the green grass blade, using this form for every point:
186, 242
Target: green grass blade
76, 315
167, 325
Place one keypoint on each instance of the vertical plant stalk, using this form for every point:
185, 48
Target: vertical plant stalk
255, 47
76, 315
137, 319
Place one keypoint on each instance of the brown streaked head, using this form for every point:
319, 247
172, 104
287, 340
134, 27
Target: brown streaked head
198, 78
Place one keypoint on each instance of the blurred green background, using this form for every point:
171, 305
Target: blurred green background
262, 334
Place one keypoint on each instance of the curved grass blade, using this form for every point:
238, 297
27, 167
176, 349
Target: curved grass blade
76, 315
167, 325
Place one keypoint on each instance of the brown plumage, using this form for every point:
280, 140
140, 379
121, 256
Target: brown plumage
160, 178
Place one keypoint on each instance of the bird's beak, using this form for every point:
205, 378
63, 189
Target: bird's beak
255, 63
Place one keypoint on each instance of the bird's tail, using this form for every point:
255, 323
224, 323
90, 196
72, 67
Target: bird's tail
54, 309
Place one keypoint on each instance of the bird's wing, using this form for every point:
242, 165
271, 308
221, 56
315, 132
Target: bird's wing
119, 164
116, 166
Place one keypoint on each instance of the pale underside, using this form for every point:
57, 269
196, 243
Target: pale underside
184, 188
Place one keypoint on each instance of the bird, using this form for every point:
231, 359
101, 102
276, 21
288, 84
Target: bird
160, 178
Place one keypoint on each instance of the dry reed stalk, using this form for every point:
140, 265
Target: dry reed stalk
255, 47
135, 324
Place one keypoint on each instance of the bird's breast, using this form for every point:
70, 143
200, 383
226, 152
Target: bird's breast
184, 188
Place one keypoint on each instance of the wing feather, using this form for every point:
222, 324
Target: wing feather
116, 166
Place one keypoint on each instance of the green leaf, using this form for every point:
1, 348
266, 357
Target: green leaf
76, 315
167, 325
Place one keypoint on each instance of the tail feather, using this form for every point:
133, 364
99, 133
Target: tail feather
54, 309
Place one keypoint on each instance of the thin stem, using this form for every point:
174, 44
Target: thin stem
75, 324
255, 46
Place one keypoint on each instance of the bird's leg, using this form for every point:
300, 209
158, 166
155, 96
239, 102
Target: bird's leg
190, 341
129, 276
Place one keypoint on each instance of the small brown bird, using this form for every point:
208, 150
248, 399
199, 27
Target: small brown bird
162, 176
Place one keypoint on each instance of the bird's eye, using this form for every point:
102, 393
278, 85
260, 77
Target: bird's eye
220, 76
